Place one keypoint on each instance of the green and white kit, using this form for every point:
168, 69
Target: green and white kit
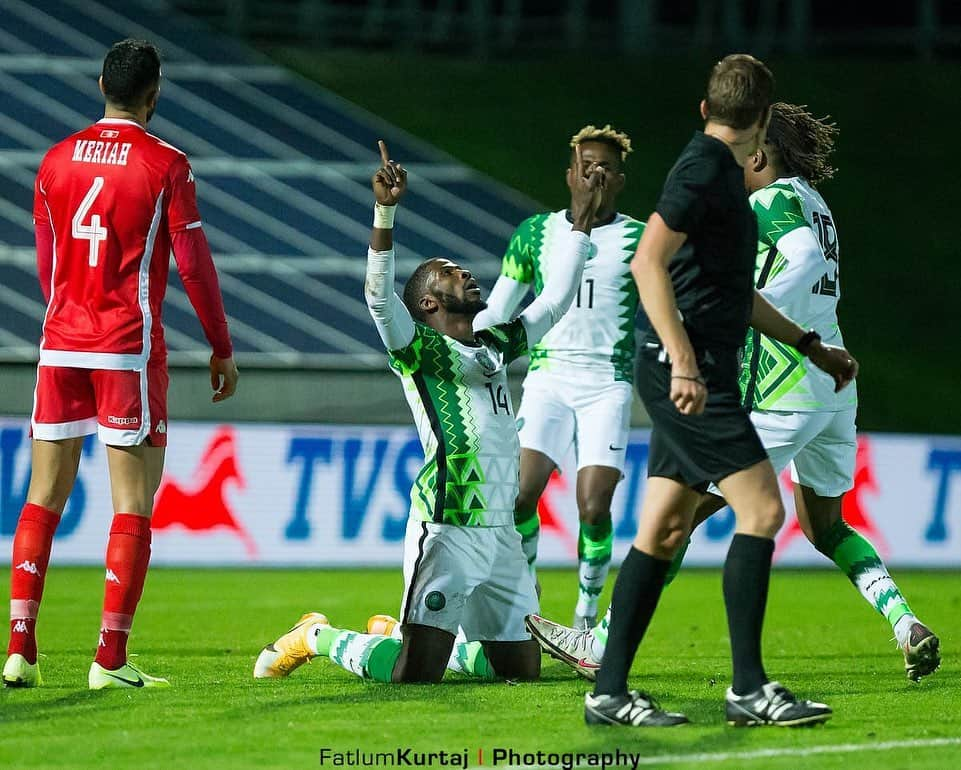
800, 419
578, 387
463, 562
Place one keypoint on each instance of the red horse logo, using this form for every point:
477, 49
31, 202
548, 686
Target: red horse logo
550, 520
853, 510
203, 507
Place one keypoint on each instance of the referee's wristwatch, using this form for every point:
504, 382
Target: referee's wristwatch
809, 337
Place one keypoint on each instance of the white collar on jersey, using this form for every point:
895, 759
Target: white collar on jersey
120, 121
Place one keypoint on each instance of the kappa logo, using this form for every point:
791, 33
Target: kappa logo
111, 577
28, 566
122, 420
853, 509
190, 175
161, 427
202, 506
20, 627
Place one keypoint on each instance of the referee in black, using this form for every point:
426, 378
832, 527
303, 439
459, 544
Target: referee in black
694, 270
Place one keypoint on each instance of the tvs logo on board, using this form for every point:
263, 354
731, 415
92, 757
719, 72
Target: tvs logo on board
202, 506
853, 509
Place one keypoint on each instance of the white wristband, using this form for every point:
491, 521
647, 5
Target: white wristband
384, 216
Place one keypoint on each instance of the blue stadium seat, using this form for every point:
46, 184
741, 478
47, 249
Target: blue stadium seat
282, 169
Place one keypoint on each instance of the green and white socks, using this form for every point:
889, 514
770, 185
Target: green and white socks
857, 559
370, 656
599, 636
594, 545
469, 658
528, 524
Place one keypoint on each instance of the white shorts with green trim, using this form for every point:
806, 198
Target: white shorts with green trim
476, 578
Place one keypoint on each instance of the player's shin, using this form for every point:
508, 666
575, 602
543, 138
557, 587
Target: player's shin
528, 524
857, 558
369, 656
31, 554
128, 554
469, 658
594, 546
636, 593
747, 572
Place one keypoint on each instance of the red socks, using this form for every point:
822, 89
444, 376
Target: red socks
31, 554
128, 554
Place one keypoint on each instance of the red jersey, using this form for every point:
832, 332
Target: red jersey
114, 196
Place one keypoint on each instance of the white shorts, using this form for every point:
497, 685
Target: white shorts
593, 416
820, 447
475, 578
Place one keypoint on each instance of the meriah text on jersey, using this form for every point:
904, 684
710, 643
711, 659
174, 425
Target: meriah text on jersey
111, 153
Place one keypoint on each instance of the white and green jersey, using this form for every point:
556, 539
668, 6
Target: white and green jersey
458, 392
797, 271
595, 338
461, 404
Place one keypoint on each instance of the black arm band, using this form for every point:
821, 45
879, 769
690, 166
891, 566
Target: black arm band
807, 339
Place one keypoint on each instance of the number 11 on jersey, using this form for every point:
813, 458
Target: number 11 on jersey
94, 232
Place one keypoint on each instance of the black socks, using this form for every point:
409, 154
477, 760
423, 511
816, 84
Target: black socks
747, 571
636, 593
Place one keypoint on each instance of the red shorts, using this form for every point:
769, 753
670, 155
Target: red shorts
123, 407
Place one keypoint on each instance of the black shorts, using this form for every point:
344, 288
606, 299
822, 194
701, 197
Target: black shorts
697, 450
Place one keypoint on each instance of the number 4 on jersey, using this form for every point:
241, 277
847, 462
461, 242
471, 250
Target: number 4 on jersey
94, 232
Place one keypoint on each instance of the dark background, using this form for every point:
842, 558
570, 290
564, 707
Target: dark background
507, 104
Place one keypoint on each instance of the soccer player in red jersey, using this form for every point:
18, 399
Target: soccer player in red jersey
110, 204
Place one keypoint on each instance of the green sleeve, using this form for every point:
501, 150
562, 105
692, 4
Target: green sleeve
519, 259
510, 339
778, 210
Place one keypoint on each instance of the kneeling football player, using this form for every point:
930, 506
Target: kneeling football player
463, 564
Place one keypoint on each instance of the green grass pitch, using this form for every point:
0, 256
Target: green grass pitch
203, 628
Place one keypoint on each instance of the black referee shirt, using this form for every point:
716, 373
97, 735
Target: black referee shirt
713, 272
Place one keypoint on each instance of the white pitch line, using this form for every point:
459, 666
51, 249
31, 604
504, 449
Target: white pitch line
724, 756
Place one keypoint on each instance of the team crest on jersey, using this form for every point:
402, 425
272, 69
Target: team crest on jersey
487, 362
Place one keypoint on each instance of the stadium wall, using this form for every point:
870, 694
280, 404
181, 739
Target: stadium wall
335, 495
339, 397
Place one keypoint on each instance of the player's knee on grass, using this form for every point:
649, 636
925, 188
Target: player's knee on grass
423, 654
514, 660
